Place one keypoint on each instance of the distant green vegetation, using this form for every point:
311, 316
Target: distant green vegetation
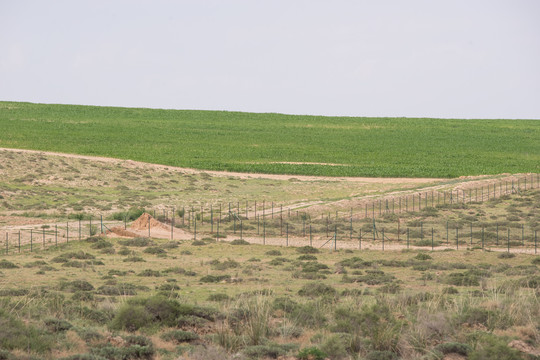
248, 142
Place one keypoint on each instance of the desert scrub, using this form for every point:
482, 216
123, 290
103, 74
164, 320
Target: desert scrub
137, 242
179, 336
316, 289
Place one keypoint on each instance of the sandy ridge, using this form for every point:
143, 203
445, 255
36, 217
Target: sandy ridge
229, 173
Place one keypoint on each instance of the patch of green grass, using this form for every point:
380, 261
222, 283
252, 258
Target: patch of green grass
277, 143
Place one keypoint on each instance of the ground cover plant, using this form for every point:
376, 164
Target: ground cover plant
275, 143
369, 305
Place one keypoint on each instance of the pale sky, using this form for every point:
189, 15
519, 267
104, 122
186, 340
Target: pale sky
444, 59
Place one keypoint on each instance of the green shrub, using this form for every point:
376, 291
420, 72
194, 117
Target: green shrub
453, 347
278, 261
450, 290
313, 266
179, 336
273, 253
381, 355
423, 256
317, 289
215, 278
134, 259
462, 279
491, 347
311, 353
506, 255
307, 257
218, 297
131, 318
154, 250
4, 264
84, 357
101, 244
57, 325
239, 242
137, 242
198, 243
77, 285
80, 255
83, 296
14, 292
149, 273
227, 264
536, 261
335, 346
272, 351
14, 334
307, 250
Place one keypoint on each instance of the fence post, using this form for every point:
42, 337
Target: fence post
335, 237
101, 219
264, 231
471, 233
482, 237
407, 237
287, 228
43, 231
447, 236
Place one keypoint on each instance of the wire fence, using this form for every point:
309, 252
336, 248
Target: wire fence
378, 226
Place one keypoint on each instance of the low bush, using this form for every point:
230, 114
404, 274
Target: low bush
154, 250
218, 297
134, 259
239, 242
423, 256
311, 353
215, 278
506, 255
273, 253
307, 250
179, 336
149, 273
137, 242
317, 289
198, 243
227, 264
57, 325
307, 257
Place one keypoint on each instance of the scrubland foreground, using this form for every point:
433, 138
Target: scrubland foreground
143, 298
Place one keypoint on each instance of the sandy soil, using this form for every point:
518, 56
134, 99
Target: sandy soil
135, 164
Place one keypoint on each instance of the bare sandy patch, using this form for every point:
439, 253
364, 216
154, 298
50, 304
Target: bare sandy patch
139, 164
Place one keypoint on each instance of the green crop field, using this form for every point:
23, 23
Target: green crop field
275, 143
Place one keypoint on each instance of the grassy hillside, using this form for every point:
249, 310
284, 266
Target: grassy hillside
250, 142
